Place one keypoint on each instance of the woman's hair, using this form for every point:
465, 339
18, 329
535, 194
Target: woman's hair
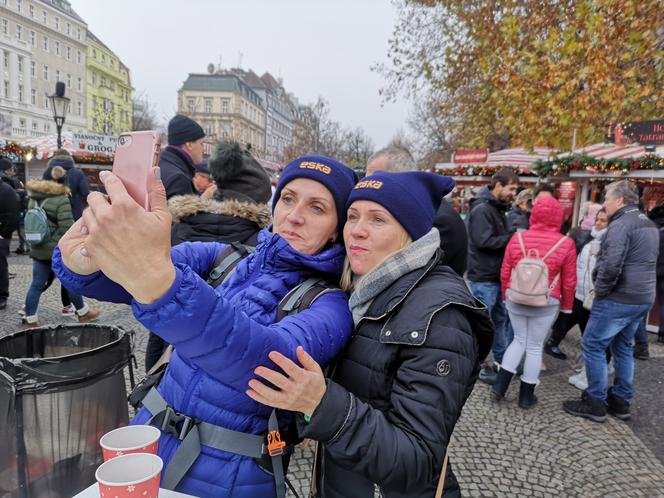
347, 274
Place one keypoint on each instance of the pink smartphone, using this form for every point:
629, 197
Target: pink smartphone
135, 154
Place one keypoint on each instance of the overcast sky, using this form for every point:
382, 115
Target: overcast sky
319, 47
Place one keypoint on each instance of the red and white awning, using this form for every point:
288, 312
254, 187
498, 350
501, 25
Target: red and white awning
269, 165
81, 146
519, 157
609, 151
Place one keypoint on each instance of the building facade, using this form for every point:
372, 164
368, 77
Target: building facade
108, 90
226, 107
41, 42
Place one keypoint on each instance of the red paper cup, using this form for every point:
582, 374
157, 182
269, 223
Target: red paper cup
130, 439
129, 476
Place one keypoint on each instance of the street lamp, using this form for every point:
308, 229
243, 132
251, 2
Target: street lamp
60, 105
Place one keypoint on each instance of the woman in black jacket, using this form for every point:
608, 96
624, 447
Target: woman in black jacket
387, 412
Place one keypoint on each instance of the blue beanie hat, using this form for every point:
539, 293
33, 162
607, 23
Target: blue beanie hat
412, 198
338, 178
5, 163
182, 129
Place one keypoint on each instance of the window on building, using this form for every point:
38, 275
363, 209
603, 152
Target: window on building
68, 53
108, 105
19, 5
94, 78
103, 80
57, 75
19, 32
5, 58
68, 29
33, 96
57, 24
79, 84
103, 58
94, 53
78, 33
22, 123
224, 106
33, 69
6, 89
80, 108
33, 38
45, 44
191, 105
69, 81
79, 57
227, 131
94, 102
20, 93
45, 17
32, 11
208, 129
45, 72
20, 65
57, 48
35, 125
5, 26
208, 105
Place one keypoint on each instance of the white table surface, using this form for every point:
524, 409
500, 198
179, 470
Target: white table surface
93, 492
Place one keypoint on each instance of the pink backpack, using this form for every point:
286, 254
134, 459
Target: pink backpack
529, 282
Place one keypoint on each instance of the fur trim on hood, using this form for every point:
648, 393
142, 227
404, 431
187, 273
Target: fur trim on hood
47, 187
182, 206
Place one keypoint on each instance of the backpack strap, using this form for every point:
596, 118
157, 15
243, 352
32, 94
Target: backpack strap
555, 246
523, 246
302, 296
226, 262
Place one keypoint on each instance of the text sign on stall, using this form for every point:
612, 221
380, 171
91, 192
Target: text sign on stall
470, 156
94, 144
565, 193
641, 132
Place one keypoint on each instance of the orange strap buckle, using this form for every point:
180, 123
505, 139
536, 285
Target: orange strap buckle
275, 446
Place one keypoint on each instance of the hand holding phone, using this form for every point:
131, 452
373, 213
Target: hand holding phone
135, 154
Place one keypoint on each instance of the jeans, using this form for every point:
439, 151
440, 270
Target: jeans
4, 268
612, 324
40, 273
660, 293
641, 336
491, 295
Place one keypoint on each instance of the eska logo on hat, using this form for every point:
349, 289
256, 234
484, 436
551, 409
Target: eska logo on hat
317, 166
374, 184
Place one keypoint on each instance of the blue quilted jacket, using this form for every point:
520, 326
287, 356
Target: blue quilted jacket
220, 336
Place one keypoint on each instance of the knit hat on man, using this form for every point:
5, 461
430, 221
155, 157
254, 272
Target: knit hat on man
238, 175
412, 197
63, 160
182, 129
338, 178
5, 164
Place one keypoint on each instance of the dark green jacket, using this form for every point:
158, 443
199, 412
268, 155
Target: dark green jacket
54, 199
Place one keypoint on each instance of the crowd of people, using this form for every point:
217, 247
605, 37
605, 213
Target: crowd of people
357, 313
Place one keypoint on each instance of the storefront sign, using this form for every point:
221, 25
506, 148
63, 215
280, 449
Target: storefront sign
94, 144
470, 156
639, 132
566, 193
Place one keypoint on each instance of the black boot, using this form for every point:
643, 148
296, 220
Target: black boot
499, 389
527, 398
552, 349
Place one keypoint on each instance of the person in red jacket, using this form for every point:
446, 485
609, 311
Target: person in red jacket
532, 323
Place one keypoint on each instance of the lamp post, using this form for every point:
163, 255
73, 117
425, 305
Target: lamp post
60, 105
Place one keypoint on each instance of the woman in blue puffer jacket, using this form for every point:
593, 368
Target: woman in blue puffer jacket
120, 253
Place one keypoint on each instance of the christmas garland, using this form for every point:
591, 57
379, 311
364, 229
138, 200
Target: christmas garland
16, 153
563, 165
86, 158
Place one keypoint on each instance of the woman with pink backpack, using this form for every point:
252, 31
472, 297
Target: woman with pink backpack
538, 278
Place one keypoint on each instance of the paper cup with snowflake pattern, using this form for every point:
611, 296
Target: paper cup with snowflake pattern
130, 439
130, 476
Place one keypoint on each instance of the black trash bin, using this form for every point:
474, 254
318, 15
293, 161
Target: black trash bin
61, 388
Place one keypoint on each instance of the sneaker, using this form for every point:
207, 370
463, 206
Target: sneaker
89, 316
21, 311
580, 381
69, 310
25, 325
554, 351
586, 407
488, 375
618, 407
641, 354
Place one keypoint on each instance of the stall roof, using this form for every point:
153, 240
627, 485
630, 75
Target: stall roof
519, 157
608, 151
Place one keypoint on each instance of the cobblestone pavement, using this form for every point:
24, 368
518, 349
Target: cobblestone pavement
496, 452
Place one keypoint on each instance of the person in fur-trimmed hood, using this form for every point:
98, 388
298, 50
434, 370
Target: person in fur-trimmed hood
238, 210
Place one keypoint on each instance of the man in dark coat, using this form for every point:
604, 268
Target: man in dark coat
488, 236
76, 181
178, 160
657, 217
8, 176
625, 278
9, 216
453, 236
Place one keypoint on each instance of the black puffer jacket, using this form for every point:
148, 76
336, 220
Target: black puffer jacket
10, 208
488, 236
518, 218
657, 217
177, 172
626, 269
453, 237
216, 220
398, 389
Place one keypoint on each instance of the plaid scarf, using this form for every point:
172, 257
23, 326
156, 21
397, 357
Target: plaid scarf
413, 256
